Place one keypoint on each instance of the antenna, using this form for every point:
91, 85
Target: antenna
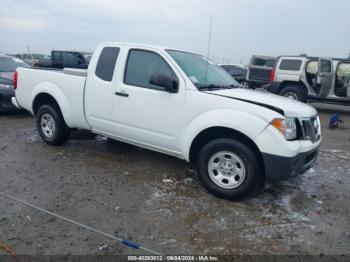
208, 53
29, 52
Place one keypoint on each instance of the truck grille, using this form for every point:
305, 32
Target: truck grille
310, 128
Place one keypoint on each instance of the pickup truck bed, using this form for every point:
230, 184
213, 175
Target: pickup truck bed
66, 85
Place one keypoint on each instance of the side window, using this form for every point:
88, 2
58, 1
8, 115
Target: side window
106, 63
141, 65
290, 64
326, 66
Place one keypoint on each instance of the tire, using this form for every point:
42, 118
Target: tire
245, 84
243, 159
51, 125
293, 92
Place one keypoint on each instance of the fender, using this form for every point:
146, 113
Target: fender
57, 94
232, 119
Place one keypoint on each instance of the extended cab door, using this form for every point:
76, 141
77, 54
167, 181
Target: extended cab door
325, 76
99, 89
145, 113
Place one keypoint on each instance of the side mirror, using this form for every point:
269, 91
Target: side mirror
170, 85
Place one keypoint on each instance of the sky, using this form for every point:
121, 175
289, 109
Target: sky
240, 28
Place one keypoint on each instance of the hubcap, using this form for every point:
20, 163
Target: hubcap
226, 169
48, 125
291, 95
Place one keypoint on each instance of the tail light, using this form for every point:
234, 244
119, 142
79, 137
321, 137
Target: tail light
15, 79
272, 74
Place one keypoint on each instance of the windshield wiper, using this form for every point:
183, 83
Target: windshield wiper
216, 87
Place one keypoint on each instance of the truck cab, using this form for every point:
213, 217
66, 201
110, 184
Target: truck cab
313, 79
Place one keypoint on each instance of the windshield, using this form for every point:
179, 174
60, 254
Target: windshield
203, 73
9, 64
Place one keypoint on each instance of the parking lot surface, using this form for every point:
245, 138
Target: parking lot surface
157, 200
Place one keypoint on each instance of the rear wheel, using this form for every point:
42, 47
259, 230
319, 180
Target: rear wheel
294, 93
51, 125
228, 169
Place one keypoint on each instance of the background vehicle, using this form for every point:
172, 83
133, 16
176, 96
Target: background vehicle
32, 59
312, 79
259, 70
238, 72
8, 66
63, 59
177, 103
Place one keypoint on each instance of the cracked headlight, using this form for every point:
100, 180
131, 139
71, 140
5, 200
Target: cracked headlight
287, 127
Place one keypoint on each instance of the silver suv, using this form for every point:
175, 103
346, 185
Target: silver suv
312, 79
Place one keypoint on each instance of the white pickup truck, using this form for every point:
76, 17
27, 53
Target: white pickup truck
177, 103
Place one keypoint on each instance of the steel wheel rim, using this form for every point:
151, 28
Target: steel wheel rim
291, 95
48, 125
226, 170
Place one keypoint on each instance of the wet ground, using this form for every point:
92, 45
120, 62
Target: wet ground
157, 200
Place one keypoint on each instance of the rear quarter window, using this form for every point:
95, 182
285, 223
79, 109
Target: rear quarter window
290, 64
106, 63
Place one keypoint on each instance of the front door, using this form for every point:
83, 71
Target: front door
145, 113
325, 76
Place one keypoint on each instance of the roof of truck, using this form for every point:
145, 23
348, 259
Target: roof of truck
146, 45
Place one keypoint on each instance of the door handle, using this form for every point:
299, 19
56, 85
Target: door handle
321, 75
122, 94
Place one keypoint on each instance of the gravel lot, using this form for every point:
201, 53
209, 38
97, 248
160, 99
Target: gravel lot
157, 201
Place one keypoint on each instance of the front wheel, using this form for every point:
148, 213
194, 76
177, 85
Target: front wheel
228, 169
51, 126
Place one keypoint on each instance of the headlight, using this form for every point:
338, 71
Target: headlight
287, 127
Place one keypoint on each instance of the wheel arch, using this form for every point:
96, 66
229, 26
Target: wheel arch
46, 93
216, 132
46, 99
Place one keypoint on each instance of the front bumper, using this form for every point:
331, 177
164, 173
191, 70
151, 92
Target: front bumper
6, 96
281, 168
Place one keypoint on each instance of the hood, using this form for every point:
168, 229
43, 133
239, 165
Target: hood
282, 105
6, 78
